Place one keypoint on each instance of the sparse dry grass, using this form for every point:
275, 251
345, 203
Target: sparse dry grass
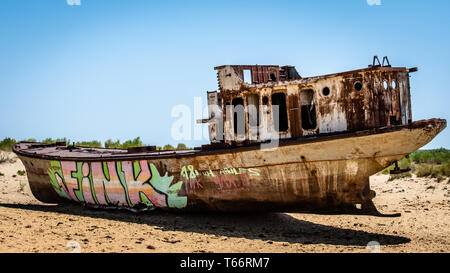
424, 163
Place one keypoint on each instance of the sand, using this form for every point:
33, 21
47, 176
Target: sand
27, 225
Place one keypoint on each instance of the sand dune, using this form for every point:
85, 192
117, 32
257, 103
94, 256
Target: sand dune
26, 225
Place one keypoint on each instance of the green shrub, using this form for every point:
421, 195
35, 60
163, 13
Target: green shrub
91, 144
21, 172
169, 147
437, 156
182, 146
109, 144
424, 170
405, 163
398, 176
132, 143
29, 140
53, 141
7, 143
426, 163
446, 169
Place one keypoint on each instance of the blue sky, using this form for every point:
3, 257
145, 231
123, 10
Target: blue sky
115, 69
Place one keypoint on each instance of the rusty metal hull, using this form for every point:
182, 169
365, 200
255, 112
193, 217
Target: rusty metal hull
325, 174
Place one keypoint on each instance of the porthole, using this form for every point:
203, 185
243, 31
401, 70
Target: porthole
394, 85
326, 91
385, 85
358, 86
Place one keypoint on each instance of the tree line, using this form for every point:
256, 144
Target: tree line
7, 143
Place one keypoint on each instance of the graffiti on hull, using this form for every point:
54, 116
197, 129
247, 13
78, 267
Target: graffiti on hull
116, 183
227, 179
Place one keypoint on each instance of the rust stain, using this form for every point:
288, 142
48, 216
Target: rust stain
373, 97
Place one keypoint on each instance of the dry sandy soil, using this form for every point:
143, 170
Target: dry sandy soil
26, 225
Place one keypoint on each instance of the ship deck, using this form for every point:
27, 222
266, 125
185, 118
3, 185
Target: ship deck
67, 152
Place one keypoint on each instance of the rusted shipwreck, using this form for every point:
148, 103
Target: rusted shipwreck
279, 142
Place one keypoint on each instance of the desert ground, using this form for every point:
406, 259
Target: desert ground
27, 225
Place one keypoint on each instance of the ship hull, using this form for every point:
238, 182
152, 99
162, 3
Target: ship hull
326, 174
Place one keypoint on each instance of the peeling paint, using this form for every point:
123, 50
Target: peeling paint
350, 101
